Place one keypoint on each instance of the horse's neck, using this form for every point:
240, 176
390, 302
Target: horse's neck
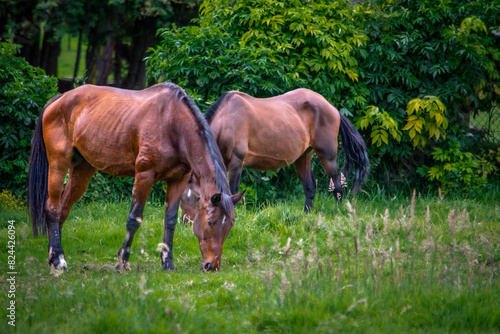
208, 184
203, 166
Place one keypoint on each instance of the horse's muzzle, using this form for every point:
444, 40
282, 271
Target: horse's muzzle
208, 266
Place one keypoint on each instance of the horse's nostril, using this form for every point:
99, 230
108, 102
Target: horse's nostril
208, 266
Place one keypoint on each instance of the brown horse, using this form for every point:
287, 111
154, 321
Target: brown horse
157, 134
270, 133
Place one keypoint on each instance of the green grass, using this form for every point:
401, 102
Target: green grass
370, 264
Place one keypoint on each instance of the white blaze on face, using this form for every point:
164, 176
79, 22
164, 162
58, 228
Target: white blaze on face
189, 193
224, 220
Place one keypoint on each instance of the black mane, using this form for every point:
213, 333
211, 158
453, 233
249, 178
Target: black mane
220, 169
209, 115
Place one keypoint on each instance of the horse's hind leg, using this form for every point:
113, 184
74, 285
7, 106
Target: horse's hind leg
328, 157
142, 186
79, 176
305, 173
53, 208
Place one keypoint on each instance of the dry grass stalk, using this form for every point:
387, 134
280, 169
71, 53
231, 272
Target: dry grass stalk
385, 221
452, 219
412, 208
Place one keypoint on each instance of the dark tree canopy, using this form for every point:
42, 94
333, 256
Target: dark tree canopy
117, 33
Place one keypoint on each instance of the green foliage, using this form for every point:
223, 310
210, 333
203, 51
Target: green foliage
265, 48
421, 58
445, 49
492, 155
426, 116
380, 124
104, 187
24, 90
416, 49
208, 61
9, 201
456, 171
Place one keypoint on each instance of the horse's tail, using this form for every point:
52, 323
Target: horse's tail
38, 177
355, 153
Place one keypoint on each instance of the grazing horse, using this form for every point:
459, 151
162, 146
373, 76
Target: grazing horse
157, 134
270, 133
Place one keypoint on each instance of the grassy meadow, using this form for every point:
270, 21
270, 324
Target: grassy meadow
370, 264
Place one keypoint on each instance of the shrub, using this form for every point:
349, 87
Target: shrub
446, 49
24, 90
457, 171
265, 48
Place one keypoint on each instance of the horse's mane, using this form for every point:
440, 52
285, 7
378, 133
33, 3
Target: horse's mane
209, 115
220, 169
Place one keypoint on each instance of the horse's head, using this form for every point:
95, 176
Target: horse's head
211, 226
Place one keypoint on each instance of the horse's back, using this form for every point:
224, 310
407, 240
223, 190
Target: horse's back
301, 104
108, 126
271, 132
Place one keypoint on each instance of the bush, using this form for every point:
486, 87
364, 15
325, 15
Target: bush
445, 49
24, 90
265, 48
457, 171
397, 66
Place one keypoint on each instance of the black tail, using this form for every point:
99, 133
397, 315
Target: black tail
38, 177
355, 153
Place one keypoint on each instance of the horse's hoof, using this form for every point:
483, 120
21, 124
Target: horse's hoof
58, 263
122, 267
169, 267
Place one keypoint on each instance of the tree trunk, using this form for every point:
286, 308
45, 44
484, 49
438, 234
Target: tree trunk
105, 62
143, 39
50, 52
122, 51
92, 55
78, 52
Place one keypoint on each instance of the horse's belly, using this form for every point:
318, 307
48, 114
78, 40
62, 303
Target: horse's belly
276, 151
109, 155
267, 162
114, 162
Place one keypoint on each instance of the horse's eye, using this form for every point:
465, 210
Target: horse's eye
210, 223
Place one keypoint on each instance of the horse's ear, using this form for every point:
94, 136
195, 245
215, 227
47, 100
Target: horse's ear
216, 198
237, 197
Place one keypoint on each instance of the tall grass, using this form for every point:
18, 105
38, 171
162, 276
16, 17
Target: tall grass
370, 264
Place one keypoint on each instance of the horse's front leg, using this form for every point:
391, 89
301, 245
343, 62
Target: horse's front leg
173, 198
142, 186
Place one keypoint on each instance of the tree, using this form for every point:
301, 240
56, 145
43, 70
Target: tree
377, 60
265, 48
449, 49
117, 32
